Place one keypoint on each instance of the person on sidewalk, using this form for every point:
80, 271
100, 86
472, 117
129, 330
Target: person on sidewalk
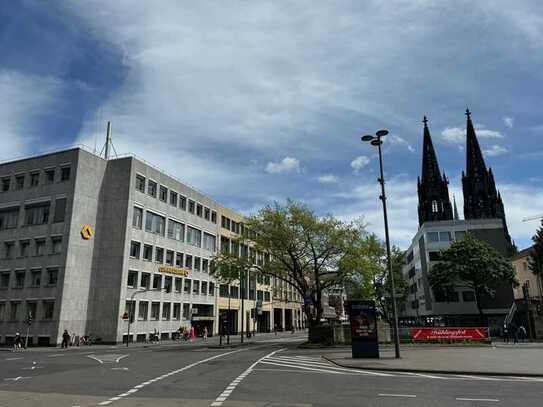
65, 339
513, 332
18, 342
505, 333
192, 333
205, 333
522, 333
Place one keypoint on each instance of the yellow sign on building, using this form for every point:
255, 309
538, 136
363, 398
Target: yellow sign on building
174, 270
87, 232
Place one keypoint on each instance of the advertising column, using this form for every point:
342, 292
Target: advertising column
362, 316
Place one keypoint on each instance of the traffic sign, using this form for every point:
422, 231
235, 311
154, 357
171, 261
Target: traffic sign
125, 315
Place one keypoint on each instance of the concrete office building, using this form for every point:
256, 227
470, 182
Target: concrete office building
84, 241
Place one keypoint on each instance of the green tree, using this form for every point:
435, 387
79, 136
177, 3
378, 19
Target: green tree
536, 255
309, 252
474, 264
383, 289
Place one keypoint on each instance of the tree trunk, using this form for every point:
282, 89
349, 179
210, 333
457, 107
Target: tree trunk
479, 307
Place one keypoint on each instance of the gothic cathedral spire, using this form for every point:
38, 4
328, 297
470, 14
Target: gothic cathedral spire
433, 190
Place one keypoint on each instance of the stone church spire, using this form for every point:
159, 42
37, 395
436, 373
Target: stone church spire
455, 209
433, 190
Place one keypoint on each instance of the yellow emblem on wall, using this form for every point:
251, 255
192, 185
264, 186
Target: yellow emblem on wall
87, 232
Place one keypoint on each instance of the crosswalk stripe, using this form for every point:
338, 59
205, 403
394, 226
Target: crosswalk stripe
328, 368
301, 367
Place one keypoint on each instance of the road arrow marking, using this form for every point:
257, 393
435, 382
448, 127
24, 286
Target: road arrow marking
16, 379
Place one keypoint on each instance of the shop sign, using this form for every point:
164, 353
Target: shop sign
87, 232
433, 334
174, 270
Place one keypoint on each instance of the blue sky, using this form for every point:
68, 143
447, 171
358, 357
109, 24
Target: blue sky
252, 102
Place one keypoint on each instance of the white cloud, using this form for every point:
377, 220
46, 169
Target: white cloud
508, 121
328, 179
457, 135
287, 164
359, 162
25, 99
399, 141
495, 150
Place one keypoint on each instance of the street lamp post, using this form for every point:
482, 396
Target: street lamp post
376, 141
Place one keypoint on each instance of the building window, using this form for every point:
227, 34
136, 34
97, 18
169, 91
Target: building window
4, 279
188, 261
178, 284
135, 249
19, 279
140, 183
155, 223
137, 217
267, 296
50, 176
176, 230
205, 265
207, 213
34, 179
192, 206
6, 182
182, 202
195, 287
143, 310
163, 195
197, 262
155, 311
35, 276
459, 235
169, 257
168, 281
147, 252
24, 247
179, 259
56, 245
468, 296
223, 290
203, 288
214, 217
173, 198
132, 278
157, 282
434, 256
159, 255
64, 174
259, 295
444, 237
194, 236
151, 188
39, 247
8, 218
52, 276
435, 207
14, 311
48, 309
186, 287
186, 311
432, 236
199, 210
177, 311
2, 311
37, 214
145, 280
234, 292
166, 311
60, 210
209, 242
211, 288
19, 182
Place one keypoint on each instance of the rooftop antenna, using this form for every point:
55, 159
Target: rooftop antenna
108, 143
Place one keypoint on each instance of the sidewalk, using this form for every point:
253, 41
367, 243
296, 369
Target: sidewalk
493, 360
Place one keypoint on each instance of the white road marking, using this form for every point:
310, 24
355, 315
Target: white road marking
13, 358
428, 376
478, 377
470, 399
32, 368
142, 385
56, 355
98, 360
120, 357
397, 395
119, 368
232, 386
16, 379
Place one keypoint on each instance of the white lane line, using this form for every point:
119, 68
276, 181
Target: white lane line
428, 376
120, 357
16, 379
313, 369
329, 368
397, 395
291, 371
13, 358
138, 387
226, 393
478, 377
470, 399
95, 358
56, 355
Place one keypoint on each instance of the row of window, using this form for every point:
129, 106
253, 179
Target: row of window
157, 281
32, 247
16, 311
154, 310
174, 199
33, 278
34, 214
236, 227
234, 292
453, 296
445, 236
168, 257
155, 223
34, 178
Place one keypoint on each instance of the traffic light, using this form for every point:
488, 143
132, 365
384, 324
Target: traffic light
29, 319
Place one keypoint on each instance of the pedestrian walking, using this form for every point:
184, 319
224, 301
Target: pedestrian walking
18, 342
205, 333
513, 332
522, 333
65, 339
192, 333
505, 333
275, 329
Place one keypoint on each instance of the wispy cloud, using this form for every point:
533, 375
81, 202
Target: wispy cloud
495, 150
508, 121
359, 162
399, 141
287, 164
456, 135
328, 179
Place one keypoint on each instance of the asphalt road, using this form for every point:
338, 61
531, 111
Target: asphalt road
272, 372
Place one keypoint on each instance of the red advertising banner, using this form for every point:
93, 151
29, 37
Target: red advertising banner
432, 334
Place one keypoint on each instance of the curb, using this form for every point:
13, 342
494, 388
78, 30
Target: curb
441, 371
